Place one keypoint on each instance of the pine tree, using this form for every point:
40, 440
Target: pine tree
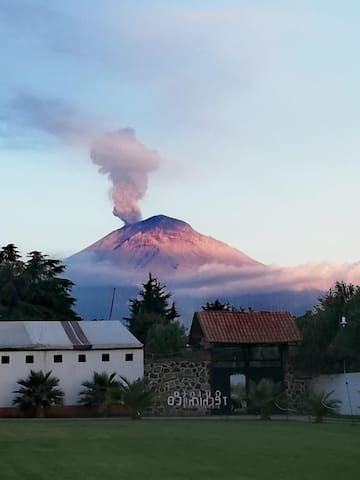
217, 305
153, 319
11, 281
46, 288
35, 289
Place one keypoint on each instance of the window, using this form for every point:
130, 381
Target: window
129, 357
29, 359
5, 359
105, 357
57, 358
82, 358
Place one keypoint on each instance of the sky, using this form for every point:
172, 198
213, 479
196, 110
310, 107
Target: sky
243, 117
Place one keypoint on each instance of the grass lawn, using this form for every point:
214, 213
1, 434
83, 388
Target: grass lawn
176, 449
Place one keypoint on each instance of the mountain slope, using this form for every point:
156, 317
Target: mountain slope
195, 268
162, 244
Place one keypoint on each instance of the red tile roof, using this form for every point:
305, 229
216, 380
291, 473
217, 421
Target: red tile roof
246, 327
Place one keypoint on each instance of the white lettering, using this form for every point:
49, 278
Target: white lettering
196, 399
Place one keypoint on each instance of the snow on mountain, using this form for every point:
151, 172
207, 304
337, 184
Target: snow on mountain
162, 244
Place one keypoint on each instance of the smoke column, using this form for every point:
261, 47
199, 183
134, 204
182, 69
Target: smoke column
119, 155
127, 163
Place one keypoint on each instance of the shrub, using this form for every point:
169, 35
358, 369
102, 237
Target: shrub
136, 396
262, 396
319, 405
38, 391
101, 392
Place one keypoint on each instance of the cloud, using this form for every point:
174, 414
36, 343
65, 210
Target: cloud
317, 276
186, 57
214, 280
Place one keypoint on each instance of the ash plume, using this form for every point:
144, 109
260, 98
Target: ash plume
118, 154
53, 117
127, 163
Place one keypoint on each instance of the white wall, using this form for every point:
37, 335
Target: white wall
345, 392
70, 372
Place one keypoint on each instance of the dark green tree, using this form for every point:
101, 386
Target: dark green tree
326, 345
165, 338
38, 391
216, 305
34, 289
153, 319
101, 392
136, 396
11, 282
46, 288
263, 395
9, 254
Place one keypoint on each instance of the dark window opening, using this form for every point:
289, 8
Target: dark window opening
29, 359
129, 357
82, 358
5, 359
105, 357
57, 358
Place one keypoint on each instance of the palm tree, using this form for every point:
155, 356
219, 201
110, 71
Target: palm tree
136, 396
320, 404
262, 395
101, 392
38, 390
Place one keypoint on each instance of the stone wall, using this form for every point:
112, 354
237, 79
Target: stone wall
177, 382
183, 387
297, 388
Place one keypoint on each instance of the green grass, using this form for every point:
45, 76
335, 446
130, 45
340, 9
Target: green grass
177, 449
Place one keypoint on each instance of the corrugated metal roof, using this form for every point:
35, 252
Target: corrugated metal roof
247, 327
14, 333
45, 335
99, 335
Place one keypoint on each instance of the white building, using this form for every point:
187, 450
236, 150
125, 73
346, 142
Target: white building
71, 350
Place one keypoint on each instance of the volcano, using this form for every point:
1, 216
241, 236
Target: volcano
161, 244
196, 268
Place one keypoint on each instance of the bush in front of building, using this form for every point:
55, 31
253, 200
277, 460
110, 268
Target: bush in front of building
38, 391
104, 391
101, 392
137, 396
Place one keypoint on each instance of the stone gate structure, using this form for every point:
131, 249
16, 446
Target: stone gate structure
177, 381
225, 346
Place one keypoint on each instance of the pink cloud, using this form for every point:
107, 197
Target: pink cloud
217, 279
